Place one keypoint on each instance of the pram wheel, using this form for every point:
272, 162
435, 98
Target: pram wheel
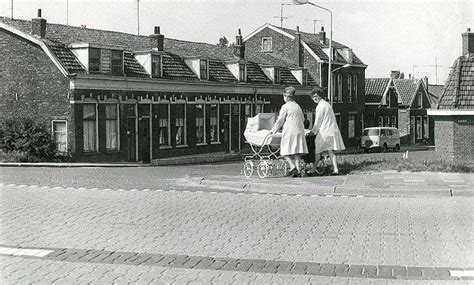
262, 169
283, 168
248, 168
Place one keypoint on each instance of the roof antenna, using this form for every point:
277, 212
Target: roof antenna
67, 12
12, 11
138, 17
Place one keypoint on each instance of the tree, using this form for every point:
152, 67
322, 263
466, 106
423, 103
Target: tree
223, 42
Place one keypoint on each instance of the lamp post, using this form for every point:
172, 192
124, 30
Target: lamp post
302, 2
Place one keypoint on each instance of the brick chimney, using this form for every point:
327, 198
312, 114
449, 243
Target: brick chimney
322, 36
395, 74
157, 40
468, 42
239, 47
299, 49
38, 26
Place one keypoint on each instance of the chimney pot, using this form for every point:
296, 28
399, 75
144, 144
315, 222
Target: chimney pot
239, 48
297, 29
468, 29
157, 30
39, 13
38, 26
157, 40
322, 36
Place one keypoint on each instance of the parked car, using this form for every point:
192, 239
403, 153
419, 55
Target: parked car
380, 138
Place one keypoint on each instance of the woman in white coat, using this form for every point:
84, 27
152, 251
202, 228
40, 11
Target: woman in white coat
328, 136
293, 143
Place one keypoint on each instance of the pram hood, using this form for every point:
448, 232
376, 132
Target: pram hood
257, 131
262, 121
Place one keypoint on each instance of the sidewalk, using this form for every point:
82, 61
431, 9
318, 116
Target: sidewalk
387, 183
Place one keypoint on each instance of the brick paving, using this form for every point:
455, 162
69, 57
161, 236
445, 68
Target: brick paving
153, 231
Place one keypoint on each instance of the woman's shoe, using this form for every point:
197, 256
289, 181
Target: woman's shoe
335, 173
292, 172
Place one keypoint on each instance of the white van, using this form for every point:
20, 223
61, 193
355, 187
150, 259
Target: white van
380, 138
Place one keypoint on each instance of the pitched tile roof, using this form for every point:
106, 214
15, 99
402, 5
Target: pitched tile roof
67, 58
434, 93
459, 89
255, 74
219, 72
375, 88
407, 89
314, 42
131, 67
287, 78
175, 68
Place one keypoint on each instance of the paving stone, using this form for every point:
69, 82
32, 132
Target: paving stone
299, 268
328, 269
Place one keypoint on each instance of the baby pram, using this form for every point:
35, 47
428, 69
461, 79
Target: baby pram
265, 147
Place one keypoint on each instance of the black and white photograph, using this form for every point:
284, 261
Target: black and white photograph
236, 142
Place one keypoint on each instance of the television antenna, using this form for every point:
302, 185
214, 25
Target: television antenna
314, 23
281, 14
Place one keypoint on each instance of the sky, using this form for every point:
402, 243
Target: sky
407, 35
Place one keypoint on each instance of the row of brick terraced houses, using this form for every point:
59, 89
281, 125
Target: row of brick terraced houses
112, 96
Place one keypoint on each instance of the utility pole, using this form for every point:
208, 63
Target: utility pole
12, 11
314, 23
281, 15
67, 12
138, 17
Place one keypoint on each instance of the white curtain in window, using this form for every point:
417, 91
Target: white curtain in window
60, 136
89, 135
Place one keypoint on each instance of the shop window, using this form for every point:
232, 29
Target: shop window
349, 87
60, 135
111, 126
351, 125
163, 125
117, 62
200, 124
214, 119
94, 60
89, 117
267, 44
204, 70
426, 127
180, 113
419, 128
156, 71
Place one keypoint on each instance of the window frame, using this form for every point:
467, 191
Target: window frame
419, 127
394, 122
349, 87
112, 65
93, 59
156, 73
185, 135
354, 85
277, 75
117, 127
168, 121
242, 72
96, 127
270, 45
426, 127
204, 71
354, 116
204, 133
54, 137
218, 141
339, 87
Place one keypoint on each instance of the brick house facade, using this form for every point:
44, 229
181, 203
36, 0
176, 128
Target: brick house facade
400, 103
111, 96
310, 52
454, 115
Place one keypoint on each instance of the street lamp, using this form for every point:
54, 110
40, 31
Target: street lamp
302, 2
344, 66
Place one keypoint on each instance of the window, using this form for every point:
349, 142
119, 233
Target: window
354, 85
277, 76
420, 100
380, 121
204, 70
117, 62
419, 128
242, 72
156, 66
163, 125
180, 113
426, 127
386, 122
248, 112
60, 136
339, 88
89, 120
214, 118
371, 132
394, 121
349, 87
267, 44
258, 108
351, 125
388, 133
94, 60
200, 124
111, 126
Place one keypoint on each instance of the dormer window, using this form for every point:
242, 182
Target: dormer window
242, 72
204, 70
267, 44
156, 71
117, 62
277, 78
94, 60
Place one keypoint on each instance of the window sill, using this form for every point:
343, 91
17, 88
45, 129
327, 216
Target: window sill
165, 147
201, 144
112, 150
215, 142
181, 146
90, 152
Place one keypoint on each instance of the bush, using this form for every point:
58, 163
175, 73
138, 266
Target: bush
26, 139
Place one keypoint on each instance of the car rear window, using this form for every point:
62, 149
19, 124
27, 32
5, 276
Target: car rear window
371, 132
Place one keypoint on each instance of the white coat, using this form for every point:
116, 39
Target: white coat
293, 137
328, 136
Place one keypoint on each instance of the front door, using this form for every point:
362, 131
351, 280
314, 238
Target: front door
225, 126
235, 134
130, 117
144, 133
